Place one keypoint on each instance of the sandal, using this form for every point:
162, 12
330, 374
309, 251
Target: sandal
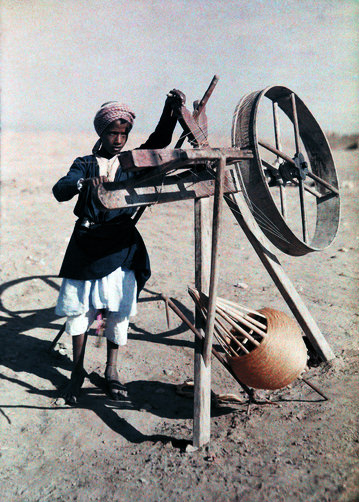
115, 389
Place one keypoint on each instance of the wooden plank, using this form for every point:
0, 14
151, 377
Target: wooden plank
202, 373
138, 160
202, 397
186, 185
270, 261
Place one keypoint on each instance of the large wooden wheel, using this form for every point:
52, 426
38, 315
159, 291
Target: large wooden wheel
291, 184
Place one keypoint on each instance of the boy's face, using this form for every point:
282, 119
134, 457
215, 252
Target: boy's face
114, 137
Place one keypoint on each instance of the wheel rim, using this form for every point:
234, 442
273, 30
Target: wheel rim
311, 143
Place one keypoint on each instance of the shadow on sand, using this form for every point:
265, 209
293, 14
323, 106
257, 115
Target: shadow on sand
24, 354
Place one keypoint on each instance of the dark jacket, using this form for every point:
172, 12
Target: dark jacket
112, 240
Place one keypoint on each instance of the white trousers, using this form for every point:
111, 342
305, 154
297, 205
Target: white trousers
115, 330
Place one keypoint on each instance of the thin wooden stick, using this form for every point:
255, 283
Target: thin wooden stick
238, 328
248, 321
227, 348
232, 337
237, 308
235, 324
243, 314
241, 320
217, 321
233, 304
201, 297
314, 387
57, 337
196, 295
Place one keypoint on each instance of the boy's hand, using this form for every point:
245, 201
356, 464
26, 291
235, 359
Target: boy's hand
95, 181
175, 99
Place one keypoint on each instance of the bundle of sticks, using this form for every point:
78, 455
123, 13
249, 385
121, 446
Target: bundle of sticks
237, 329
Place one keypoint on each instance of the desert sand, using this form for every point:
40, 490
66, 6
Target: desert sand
300, 448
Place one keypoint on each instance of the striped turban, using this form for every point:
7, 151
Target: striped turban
113, 110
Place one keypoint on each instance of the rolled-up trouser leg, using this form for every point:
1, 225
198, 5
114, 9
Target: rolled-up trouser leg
117, 328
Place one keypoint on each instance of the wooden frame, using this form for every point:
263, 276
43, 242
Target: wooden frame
192, 182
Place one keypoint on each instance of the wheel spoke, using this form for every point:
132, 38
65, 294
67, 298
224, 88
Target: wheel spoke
308, 189
302, 210
283, 200
278, 144
276, 126
278, 152
323, 182
295, 124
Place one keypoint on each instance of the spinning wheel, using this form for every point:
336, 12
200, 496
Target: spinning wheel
265, 173
309, 220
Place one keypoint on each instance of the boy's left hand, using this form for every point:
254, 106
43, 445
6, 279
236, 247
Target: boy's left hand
175, 99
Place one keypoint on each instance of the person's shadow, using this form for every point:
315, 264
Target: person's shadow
21, 351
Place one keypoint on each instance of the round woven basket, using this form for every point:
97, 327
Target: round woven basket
279, 359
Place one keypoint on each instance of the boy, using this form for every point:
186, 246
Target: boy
106, 262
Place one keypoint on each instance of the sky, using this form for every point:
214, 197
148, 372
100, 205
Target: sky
62, 59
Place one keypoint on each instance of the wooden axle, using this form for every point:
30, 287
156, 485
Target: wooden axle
288, 159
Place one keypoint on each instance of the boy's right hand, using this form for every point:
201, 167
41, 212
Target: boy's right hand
95, 181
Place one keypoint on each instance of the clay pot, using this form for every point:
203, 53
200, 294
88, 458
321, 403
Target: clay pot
279, 359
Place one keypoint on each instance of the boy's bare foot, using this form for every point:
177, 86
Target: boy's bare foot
116, 390
72, 390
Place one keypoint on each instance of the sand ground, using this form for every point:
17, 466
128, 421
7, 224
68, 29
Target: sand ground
300, 449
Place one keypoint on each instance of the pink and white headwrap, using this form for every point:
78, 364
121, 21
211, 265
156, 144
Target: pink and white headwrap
113, 110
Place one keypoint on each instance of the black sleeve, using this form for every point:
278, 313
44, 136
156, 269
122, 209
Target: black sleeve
66, 187
162, 135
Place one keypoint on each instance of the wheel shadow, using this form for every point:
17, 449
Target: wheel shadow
151, 397
21, 351
19, 348
25, 353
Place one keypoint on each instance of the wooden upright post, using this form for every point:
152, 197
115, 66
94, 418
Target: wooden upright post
216, 228
202, 373
203, 349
